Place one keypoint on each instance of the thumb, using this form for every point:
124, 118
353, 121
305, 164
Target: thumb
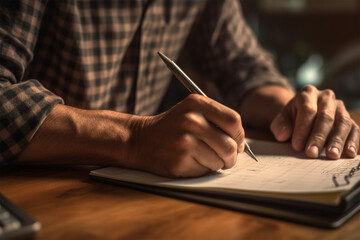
281, 127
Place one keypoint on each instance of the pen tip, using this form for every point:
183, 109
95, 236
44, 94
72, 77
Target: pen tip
248, 150
161, 54
253, 156
164, 57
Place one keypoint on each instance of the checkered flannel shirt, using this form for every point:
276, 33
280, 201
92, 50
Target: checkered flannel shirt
103, 55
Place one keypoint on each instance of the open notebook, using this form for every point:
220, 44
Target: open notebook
283, 184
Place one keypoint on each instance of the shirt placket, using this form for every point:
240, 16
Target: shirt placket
141, 96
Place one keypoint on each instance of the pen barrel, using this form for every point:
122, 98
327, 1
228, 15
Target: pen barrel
180, 75
185, 80
192, 87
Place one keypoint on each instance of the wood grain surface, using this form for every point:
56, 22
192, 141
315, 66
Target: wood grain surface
70, 205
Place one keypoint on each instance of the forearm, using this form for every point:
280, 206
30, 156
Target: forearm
73, 136
261, 105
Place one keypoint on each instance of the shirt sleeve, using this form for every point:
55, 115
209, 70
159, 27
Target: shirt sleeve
225, 50
24, 103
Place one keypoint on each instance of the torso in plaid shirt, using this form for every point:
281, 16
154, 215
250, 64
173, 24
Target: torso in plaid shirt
103, 55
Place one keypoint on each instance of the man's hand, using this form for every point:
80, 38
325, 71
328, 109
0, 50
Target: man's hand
315, 119
196, 136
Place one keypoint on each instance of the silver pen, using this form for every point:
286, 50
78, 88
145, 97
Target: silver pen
192, 87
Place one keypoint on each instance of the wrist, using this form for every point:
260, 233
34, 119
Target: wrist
260, 106
74, 136
138, 142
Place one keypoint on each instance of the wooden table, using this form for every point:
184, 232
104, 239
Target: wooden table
70, 205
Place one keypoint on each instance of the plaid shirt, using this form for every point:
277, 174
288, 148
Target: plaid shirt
103, 55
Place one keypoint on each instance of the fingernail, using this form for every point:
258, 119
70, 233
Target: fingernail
352, 149
283, 128
314, 151
334, 150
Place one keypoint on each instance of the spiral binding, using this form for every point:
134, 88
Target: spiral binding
346, 177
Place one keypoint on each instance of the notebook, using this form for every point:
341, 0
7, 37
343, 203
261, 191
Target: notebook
283, 184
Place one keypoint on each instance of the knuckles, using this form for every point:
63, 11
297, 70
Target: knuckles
184, 143
195, 100
326, 116
340, 104
309, 108
199, 103
328, 93
308, 89
306, 92
193, 122
345, 120
233, 118
337, 140
320, 138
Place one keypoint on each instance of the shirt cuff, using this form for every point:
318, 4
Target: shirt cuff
23, 107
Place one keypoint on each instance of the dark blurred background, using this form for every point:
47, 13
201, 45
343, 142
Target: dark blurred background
313, 42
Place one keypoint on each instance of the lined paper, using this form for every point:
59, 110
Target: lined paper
279, 170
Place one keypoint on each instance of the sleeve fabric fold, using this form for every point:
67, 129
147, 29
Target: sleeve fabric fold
24, 103
226, 51
103, 55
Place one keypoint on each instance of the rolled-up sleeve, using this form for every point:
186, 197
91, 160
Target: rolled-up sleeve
24, 103
226, 51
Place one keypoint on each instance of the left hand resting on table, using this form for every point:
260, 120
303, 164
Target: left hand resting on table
315, 119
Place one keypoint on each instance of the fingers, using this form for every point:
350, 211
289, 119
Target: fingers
352, 142
319, 120
184, 156
323, 124
340, 133
281, 126
187, 167
224, 146
306, 105
221, 116
206, 157
211, 141
198, 158
196, 136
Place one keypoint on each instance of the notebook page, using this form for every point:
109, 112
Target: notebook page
280, 169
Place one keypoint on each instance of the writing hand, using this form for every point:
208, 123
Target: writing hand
196, 136
314, 119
